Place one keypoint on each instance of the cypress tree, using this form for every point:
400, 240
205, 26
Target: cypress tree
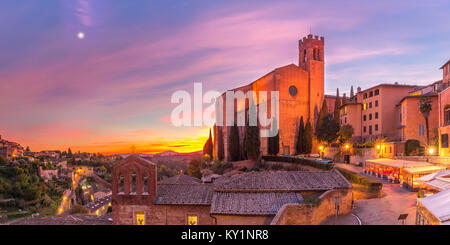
252, 142
208, 147
344, 99
308, 137
337, 104
322, 113
220, 147
233, 144
301, 138
274, 142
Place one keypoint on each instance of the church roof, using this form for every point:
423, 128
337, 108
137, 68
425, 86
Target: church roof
283, 181
238, 203
186, 194
136, 159
180, 179
442, 67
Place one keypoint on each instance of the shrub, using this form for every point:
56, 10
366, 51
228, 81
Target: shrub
371, 184
301, 161
412, 147
78, 209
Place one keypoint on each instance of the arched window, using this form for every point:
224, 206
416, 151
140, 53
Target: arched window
146, 183
121, 183
133, 181
318, 54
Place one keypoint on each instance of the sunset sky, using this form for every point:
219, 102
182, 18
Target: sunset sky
111, 89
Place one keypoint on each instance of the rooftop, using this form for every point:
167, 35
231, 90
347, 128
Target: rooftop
74, 219
439, 205
239, 203
180, 179
186, 194
398, 163
284, 181
442, 67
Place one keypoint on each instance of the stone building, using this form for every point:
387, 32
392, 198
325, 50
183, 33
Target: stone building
245, 199
301, 93
444, 112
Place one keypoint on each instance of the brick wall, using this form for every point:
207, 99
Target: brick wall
161, 214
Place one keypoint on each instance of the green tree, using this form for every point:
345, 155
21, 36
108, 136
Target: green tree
308, 137
234, 150
337, 104
78, 209
344, 99
322, 113
425, 108
195, 167
3, 161
301, 138
327, 129
346, 132
208, 147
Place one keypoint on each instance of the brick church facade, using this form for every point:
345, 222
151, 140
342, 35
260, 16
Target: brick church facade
301, 94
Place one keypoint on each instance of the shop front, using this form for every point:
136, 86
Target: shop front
400, 171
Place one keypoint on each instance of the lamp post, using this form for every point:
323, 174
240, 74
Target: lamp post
321, 151
430, 153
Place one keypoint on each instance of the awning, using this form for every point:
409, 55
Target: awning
398, 163
423, 169
439, 205
438, 184
433, 175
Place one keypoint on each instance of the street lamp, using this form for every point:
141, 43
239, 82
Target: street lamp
431, 151
321, 151
347, 146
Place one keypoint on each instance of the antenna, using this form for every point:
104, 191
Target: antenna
310, 32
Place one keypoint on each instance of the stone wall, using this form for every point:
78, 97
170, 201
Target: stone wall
427, 215
242, 220
161, 214
308, 214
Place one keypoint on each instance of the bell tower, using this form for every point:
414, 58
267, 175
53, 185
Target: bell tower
312, 59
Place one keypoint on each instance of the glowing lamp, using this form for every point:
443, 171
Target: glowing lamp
378, 147
431, 150
347, 146
320, 147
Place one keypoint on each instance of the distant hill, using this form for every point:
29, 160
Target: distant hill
171, 159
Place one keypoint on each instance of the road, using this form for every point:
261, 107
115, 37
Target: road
385, 210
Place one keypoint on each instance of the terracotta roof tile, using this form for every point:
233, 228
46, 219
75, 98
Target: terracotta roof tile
188, 194
74, 219
255, 203
282, 181
180, 179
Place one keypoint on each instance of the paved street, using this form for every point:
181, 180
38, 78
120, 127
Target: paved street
385, 210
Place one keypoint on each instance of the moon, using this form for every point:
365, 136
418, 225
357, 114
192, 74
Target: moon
80, 35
